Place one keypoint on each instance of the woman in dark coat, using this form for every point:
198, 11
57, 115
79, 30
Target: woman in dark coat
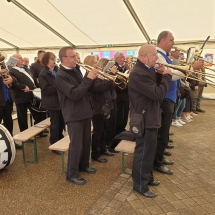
50, 99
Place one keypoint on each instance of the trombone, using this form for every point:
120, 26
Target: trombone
185, 69
105, 76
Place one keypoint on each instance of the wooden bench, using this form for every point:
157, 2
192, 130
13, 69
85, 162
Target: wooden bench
62, 146
125, 146
29, 136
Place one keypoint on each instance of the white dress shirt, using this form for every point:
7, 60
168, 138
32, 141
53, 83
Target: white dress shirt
176, 73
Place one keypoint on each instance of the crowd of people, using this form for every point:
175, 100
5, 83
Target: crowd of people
156, 97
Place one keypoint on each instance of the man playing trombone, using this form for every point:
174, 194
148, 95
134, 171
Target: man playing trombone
165, 42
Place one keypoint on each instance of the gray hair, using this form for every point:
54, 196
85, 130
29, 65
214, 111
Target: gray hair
117, 54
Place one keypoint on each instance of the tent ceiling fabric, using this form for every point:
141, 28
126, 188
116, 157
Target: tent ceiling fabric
188, 20
96, 22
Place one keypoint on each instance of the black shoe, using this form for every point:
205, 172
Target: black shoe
154, 183
169, 146
147, 194
163, 169
88, 170
46, 131
171, 133
167, 153
170, 141
100, 160
78, 181
56, 152
112, 150
200, 110
42, 135
107, 153
194, 111
167, 162
17, 146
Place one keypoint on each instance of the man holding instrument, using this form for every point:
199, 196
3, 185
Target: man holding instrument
22, 87
165, 42
146, 89
77, 111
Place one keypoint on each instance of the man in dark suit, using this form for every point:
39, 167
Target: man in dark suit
122, 102
37, 67
22, 87
77, 111
146, 89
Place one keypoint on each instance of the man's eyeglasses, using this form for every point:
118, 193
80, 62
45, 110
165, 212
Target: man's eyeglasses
74, 56
155, 54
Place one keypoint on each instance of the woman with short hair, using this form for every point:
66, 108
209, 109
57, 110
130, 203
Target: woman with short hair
49, 98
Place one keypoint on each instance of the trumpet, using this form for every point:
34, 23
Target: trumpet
105, 76
123, 77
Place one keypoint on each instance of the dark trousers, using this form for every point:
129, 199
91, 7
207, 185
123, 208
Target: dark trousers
23, 117
57, 125
143, 161
5, 115
121, 120
98, 145
163, 132
79, 147
110, 127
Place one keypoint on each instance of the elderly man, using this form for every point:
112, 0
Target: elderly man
22, 87
25, 65
122, 102
76, 107
146, 89
165, 42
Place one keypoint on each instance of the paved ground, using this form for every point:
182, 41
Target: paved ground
41, 188
190, 190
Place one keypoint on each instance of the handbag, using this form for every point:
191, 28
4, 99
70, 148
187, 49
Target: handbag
136, 124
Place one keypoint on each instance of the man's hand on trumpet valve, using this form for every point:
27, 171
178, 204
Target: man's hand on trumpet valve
113, 70
196, 88
8, 80
159, 68
168, 71
198, 65
93, 74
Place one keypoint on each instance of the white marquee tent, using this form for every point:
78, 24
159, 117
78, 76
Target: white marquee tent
29, 25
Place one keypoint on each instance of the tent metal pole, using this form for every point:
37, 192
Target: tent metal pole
137, 20
40, 21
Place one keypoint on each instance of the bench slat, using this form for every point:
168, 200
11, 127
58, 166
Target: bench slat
61, 145
126, 146
32, 131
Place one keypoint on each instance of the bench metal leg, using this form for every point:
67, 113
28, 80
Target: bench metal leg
31, 121
34, 143
63, 167
123, 164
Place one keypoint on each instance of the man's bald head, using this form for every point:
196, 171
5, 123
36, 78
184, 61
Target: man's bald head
19, 57
145, 49
148, 55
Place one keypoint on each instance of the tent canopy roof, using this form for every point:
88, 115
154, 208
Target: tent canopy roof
96, 23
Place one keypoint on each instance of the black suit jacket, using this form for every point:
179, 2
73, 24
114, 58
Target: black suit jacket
146, 92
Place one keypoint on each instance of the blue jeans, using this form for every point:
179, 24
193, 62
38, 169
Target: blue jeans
178, 110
